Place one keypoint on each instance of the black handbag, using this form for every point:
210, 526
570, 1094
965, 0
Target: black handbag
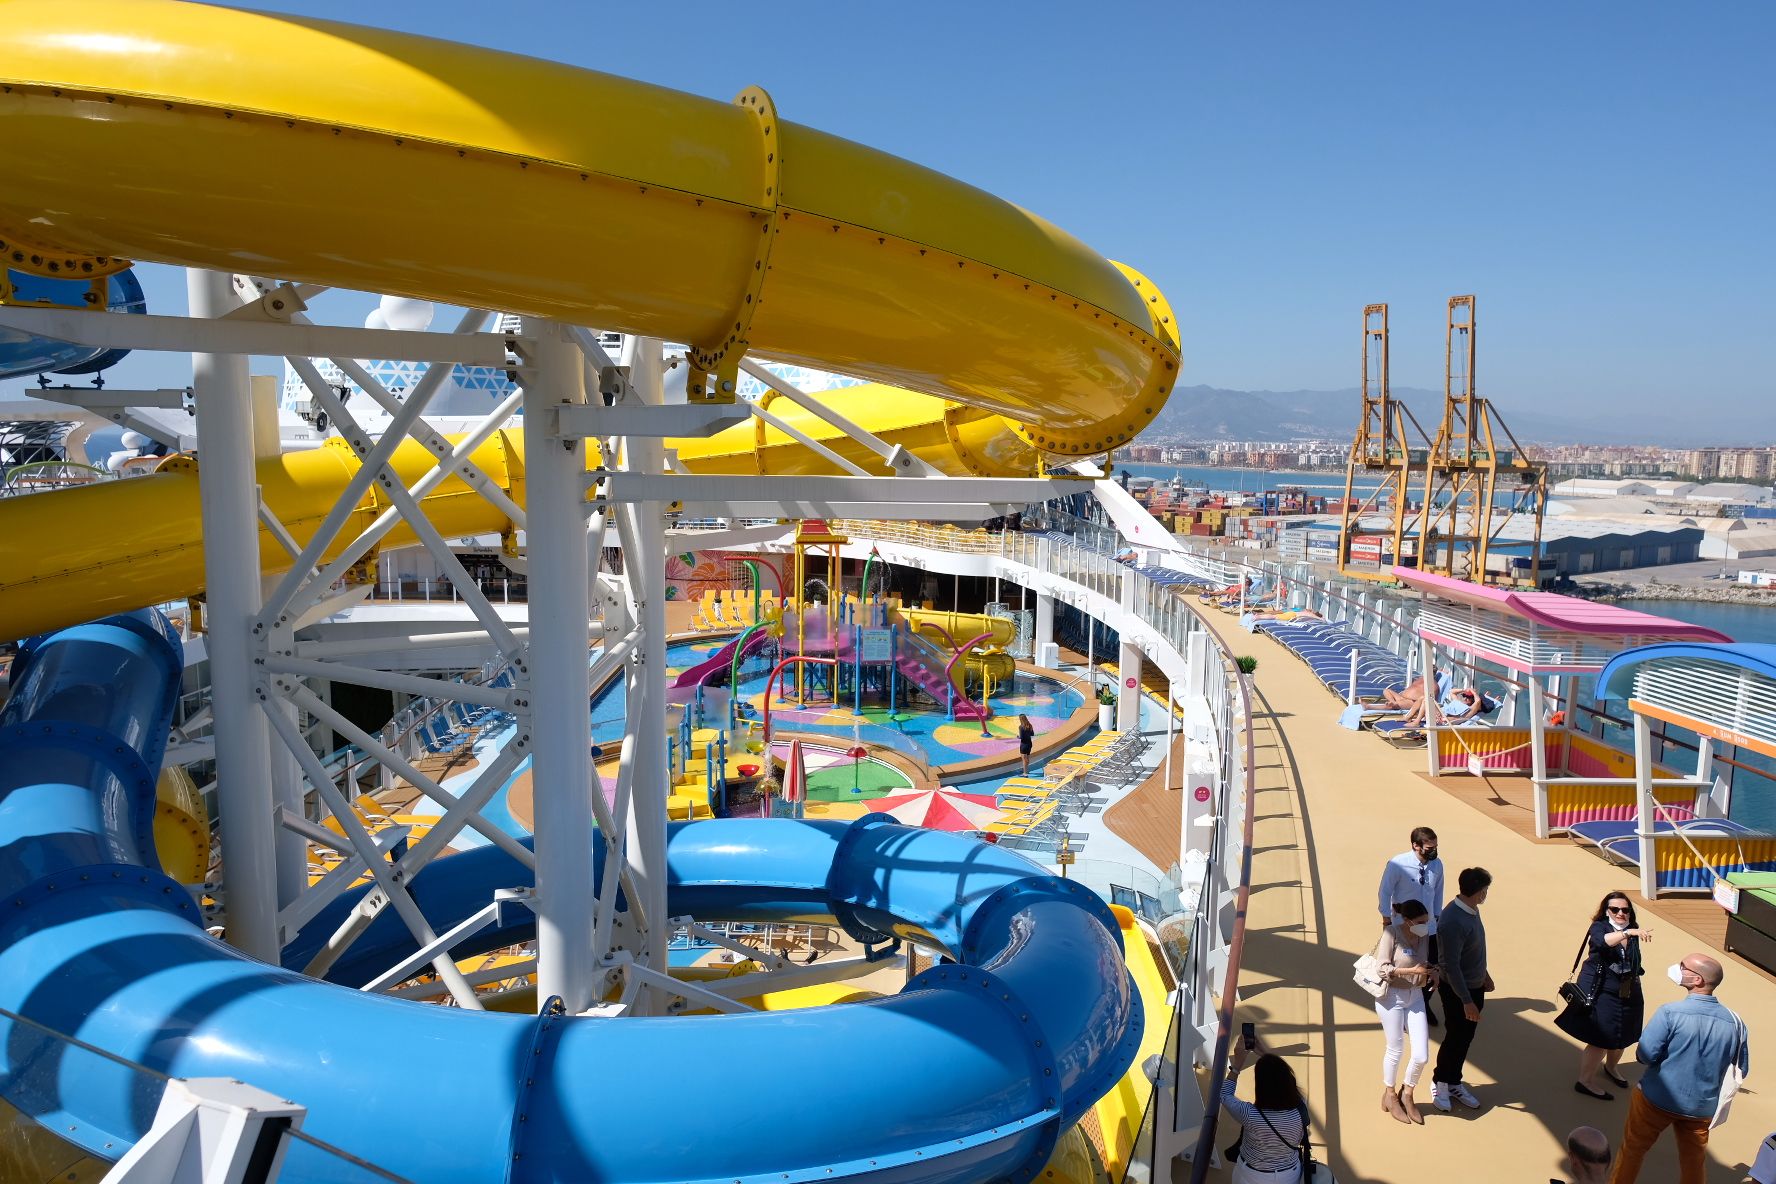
1570, 991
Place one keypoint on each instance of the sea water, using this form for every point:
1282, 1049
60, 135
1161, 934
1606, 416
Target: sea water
1754, 798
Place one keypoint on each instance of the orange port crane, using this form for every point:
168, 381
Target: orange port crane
1383, 446
1468, 474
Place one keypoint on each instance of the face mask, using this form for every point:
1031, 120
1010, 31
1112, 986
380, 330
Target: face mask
1675, 972
1428, 855
1617, 925
1421, 929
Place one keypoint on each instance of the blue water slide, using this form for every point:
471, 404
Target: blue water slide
21, 355
969, 1074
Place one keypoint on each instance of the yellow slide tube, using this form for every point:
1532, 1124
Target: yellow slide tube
962, 627
119, 545
957, 440
1119, 1111
211, 137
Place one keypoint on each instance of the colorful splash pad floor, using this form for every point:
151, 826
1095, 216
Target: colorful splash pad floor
835, 777
930, 735
927, 736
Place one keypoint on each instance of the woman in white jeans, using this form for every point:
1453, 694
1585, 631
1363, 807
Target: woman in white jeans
1401, 954
1272, 1127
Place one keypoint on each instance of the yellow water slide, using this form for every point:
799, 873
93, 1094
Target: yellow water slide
209, 137
988, 661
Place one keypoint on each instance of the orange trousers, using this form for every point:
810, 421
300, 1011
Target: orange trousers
1646, 1122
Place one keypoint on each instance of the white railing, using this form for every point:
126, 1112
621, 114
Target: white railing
1200, 910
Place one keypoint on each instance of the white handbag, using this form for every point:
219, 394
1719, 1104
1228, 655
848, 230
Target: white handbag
1732, 1079
1368, 974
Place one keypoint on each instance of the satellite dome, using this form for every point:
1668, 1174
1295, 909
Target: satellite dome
398, 312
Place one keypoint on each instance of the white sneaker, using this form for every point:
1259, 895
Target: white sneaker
1440, 1096
1464, 1095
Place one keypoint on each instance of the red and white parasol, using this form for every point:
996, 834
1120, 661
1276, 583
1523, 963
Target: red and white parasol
939, 809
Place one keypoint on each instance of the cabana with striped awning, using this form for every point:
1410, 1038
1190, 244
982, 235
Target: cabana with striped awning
1726, 694
1540, 636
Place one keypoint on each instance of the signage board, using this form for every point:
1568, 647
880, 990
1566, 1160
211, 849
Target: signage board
1726, 895
876, 645
1202, 793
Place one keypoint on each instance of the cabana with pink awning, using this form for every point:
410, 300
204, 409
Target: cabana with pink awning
1539, 636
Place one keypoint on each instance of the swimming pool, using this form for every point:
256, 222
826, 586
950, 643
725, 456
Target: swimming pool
927, 735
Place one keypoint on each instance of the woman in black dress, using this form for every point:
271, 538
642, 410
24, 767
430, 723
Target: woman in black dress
1610, 978
1026, 741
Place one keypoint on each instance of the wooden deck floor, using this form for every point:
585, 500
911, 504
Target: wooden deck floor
1509, 801
1333, 806
1149, 817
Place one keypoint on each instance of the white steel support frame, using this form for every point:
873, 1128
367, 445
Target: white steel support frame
644, 569
264, 677
229, 499
559, 683
1538, 751
267, 817
1646, 812
1427, 666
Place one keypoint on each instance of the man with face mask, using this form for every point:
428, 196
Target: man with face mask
1415, 874
1686, 1046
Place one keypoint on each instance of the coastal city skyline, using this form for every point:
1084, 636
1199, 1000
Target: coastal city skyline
1755, 466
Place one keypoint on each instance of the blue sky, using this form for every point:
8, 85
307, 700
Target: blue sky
1601, 176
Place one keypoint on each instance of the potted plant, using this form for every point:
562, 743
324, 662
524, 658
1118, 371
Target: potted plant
1246, 663
1106, 708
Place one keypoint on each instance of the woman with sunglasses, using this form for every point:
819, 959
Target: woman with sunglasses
1610, 979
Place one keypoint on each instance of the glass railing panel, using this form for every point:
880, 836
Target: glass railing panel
309, 1158
1144, 1156
50, 1076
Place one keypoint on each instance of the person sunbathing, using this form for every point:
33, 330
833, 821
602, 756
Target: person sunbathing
1457, 707
1286, 614
1410, 698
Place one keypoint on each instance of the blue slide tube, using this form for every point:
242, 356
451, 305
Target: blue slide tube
969, 1074
21, 355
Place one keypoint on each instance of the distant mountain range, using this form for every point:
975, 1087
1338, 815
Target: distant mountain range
1214, 413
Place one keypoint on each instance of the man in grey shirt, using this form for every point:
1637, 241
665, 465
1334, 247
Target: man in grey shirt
1462, 956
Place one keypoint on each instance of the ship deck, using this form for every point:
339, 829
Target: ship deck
1331, 807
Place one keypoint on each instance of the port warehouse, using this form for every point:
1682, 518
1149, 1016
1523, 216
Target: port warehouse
1579, 552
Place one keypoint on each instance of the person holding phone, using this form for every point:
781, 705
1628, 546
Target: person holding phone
1273, 1127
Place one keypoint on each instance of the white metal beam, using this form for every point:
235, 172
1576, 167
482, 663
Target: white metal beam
733, 496
645, 573
561, 726
634, 419
895, 458
110, 398
458, 812
386, 521
364, 676
243, 337
228, 495
395, 891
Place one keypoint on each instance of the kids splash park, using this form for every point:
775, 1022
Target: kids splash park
703, 711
